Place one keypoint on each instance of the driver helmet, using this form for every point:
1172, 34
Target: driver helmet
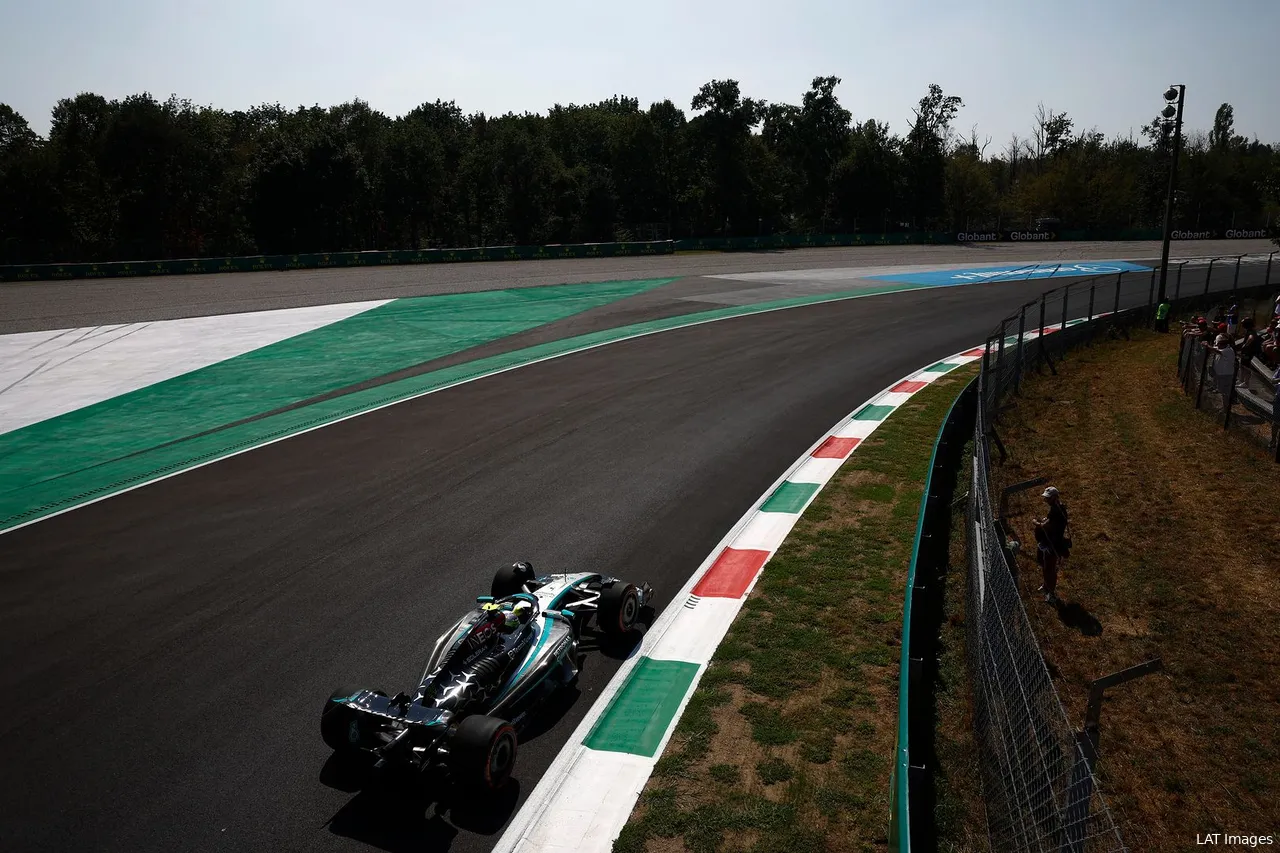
523, 611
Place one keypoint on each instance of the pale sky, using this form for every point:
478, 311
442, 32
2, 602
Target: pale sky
1104, 62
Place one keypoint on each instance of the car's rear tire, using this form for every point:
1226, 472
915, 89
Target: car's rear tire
619, 609
511, 579
338, 725
482, 752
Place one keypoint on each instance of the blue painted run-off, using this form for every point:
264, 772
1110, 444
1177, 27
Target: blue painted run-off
1022, 273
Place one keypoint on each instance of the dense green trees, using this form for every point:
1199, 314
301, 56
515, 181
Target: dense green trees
140, 178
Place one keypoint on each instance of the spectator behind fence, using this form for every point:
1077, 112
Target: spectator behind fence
1224, 365
1199, 328
1053, 543
1271, 344
1162, 315
1233, 320
1251, 346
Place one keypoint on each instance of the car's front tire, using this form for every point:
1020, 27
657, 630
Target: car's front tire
482, 752
338, 725
619, 609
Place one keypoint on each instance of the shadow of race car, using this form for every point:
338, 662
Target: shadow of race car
485, 676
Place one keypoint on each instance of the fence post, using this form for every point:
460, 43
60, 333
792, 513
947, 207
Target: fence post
1040, 334
1204, 368
1119, 282
1231, 392
1269, 257
1275, 422
1191, 360
1235, 282
1177, 288
999, 369
1182, 355
1151, 298
1209, 275
985, 348
1089, 322
1066, 291
1017, 370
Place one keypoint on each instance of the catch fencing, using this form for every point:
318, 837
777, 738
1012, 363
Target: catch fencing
1039, 782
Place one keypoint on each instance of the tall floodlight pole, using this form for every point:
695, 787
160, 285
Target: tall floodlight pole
1174, 95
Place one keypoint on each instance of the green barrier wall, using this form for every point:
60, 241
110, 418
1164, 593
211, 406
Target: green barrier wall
921, 617
326, 260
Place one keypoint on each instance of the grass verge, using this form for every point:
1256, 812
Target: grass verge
787, 741
1176, 534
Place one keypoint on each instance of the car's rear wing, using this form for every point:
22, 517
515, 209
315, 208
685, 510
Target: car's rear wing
399, 709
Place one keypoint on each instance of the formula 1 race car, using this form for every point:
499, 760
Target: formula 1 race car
485, 676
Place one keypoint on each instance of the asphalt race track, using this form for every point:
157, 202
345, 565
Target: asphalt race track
166, 652
27, 307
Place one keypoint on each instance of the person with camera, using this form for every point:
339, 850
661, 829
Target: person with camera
1053, 541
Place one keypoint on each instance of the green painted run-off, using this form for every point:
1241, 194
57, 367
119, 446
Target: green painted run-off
789, 497
391, 337
943, 367
114, 464
641, 712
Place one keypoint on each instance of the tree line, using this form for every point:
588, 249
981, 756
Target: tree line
138, 178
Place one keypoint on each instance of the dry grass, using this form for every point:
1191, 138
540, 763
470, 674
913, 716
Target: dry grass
787, 742
1176, 526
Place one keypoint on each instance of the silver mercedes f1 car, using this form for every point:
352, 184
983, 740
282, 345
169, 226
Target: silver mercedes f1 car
485, 676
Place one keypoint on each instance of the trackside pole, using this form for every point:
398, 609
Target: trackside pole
1022, 330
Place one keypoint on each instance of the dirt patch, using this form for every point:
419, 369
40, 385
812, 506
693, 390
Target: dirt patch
1176, 531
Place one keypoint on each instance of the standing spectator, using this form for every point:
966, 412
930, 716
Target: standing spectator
1224, 365
1199, 329
1233, 320
1054, 545
1162, 315
1271, 344
1251, 346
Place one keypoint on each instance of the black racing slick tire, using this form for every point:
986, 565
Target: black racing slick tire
511, 579
482, 752
619, 609
338, 724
